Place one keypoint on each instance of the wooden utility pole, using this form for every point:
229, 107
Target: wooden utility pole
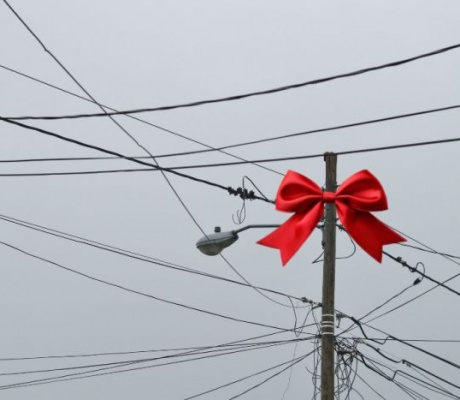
328, 317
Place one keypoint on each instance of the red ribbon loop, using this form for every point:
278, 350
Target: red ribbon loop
360, 194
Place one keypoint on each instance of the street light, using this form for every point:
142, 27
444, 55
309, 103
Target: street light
213, 244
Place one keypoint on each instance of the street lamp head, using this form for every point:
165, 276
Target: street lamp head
213, 244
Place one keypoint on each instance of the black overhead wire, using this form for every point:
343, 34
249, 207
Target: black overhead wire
174, 169
400, 293
135, 255
163, 350
243, 379
181, 305
369, 386
186, 153
427, 248
296, 361
221, 148
394, 338
410, 363
119, 155
162, 171
208, 147
447, 257
109, 370
415, 270
319, 155
420, 382
414, 340
241, 96
225, 350
429, 251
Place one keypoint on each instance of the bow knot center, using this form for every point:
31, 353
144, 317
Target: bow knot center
329, 197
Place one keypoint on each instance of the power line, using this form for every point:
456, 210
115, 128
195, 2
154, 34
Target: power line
118, 353
174, 169
426, 352
170, 302
415, 270
296, 361
197, 351
448, 257
243, 378
422, 383
208, 147
429, 251
447, 341
135, 255
222, 148
410, 364
242, 96
114, 153
241, 144
337, 127
162, 171
320, 155
97, 372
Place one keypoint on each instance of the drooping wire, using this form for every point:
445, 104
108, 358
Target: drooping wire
162, 170
207, 350
135, 255
240, 380
341, 229
415, 270
421, 382
444, 255
429, 251
245, 195
292, 364
222, 148
208, 147
240, 96
111, 370
124, 288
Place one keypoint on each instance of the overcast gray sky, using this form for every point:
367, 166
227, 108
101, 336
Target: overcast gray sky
146, 54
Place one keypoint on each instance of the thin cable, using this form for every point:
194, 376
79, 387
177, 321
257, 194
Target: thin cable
240, 379
162, 170
370, 387
208, 147
222, 148
97, 372
338, 127
449, 341
317, 155
140, 293
399, 260
411, 364
446, 256
173, 169
117, 353
137, 256
207, 350
426, 291
114, 153
271, 376
429, 251
240, 96
439, 358
432, 387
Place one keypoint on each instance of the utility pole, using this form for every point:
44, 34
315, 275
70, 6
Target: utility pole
328, 317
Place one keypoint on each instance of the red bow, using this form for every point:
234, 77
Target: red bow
355, 198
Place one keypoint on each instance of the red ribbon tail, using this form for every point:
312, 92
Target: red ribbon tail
369, 232
292, 234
